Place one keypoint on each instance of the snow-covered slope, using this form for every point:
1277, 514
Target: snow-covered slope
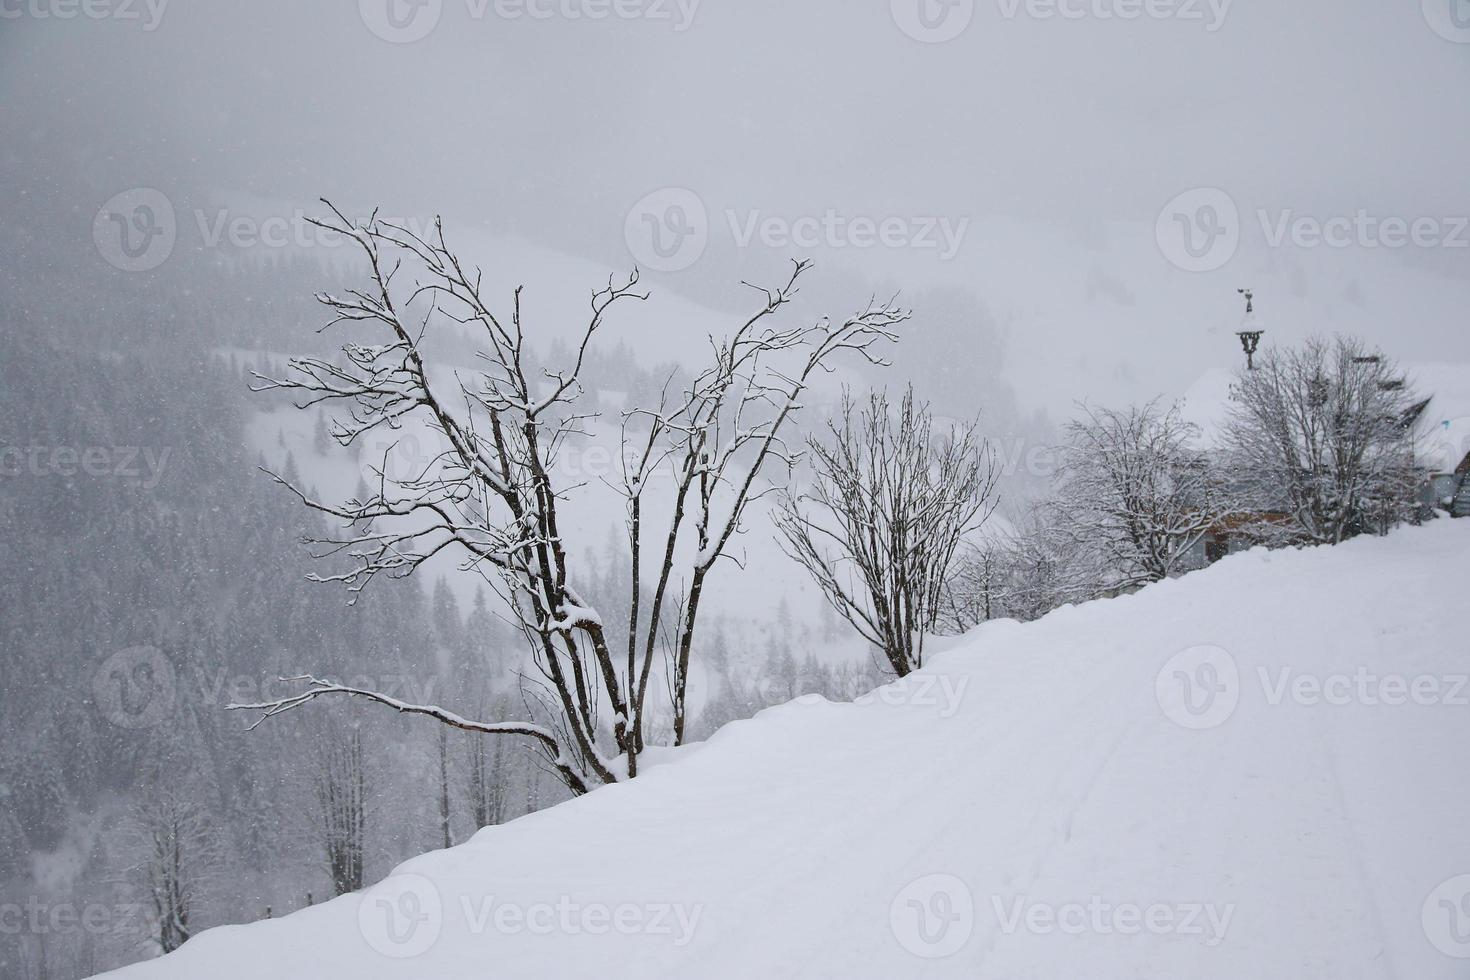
1255, 771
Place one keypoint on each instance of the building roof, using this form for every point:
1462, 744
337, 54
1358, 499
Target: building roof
1444, 429
1443, 432
1207, 405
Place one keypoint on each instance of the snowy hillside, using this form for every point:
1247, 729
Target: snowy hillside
1051, 800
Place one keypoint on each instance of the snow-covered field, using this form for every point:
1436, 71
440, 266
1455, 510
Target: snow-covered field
1255, 771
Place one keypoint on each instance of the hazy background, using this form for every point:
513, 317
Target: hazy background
1059, 140
1064, 156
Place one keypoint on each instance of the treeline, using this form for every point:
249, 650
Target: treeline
1318, 444
153, 574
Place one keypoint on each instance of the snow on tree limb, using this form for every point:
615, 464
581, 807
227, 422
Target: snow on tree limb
491, 496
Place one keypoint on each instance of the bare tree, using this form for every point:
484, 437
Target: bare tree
339, 794
974, 591
490, 495
1135, 488
1322, 434
487, 782
1023, 573
176, 859
893, 503
445, 828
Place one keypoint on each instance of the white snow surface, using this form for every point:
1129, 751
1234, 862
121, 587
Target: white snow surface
1207, 405
1051, 768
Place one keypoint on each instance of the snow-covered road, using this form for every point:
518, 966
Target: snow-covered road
1259, 770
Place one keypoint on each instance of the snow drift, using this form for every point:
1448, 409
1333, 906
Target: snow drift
1255, 771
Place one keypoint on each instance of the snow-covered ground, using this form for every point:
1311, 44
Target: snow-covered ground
1258, 770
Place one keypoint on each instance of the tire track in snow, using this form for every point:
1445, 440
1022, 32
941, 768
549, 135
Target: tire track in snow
1328, 749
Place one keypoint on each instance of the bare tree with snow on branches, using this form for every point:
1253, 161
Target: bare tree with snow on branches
975, 590
339, 802
892, 505
176, 860
490, 496
1135, 489
1323, 434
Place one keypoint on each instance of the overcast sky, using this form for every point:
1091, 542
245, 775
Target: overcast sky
1031, 131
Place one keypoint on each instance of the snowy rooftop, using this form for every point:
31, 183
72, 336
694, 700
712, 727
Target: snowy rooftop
1444, 433
1207, 405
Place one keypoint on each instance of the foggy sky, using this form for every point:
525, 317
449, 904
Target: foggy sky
550, 129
